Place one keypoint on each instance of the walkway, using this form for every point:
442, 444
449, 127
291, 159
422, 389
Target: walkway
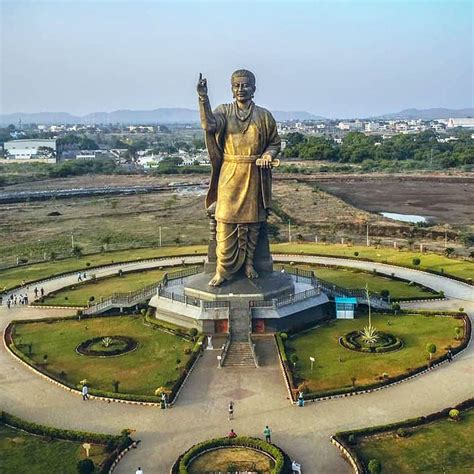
259, 394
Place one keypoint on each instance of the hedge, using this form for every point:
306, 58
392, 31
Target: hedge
282, 464
119, 443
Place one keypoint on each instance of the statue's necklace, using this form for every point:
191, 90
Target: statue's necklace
244, 118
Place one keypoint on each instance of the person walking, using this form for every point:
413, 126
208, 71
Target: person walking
139, 470
449, 355
42, 292
36, 292
85, 392
231, 410
267, 432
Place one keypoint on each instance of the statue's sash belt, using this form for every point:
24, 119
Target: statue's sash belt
241, 158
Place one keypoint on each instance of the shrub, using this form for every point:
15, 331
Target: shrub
416, 261
402, 433
385, 293
356, 254
284, 336
431, 349
374, 466
294, 359
193, 332
461, 309
458, 332
85, 466
454, 414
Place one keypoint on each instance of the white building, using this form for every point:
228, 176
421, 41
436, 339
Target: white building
460, 122
28, 149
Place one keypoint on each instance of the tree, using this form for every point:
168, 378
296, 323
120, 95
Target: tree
458, 331
449, 251
77, 251
85, 466
431, 349
374, 466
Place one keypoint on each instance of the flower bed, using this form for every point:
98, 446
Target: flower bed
100, 347
282, 461
385, 343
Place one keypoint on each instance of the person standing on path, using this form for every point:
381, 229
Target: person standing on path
85, 392
139, 470
232, 433
231, 410
267, 432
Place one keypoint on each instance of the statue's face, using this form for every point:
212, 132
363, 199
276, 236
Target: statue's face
242, 88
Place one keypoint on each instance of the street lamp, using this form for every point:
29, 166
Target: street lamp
312, 362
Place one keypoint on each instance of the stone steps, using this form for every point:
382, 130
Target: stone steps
239, 354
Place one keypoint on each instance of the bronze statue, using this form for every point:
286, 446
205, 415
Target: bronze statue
243, 143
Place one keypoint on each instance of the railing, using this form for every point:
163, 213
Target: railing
187, 300
261, 304
300, 274
252, 349
285, 300
225, 349
215, 304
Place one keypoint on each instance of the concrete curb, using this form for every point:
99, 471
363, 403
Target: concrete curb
121, 455
347, 454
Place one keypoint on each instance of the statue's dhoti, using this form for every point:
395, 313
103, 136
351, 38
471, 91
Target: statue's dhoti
236, 244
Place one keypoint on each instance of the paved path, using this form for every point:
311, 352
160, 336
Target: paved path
259, 394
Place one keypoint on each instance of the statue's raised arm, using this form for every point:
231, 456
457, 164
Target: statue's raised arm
208, 122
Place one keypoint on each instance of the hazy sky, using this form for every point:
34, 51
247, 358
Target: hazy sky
336, 59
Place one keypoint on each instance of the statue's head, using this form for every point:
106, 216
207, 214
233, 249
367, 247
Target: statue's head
243, 85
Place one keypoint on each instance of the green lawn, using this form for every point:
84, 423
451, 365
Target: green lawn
14, 276
21, 452
335, 365
78, 295
353, 279
441, 447
140, 372
429, 261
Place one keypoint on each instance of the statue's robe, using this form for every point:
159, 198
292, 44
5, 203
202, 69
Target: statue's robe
239, 189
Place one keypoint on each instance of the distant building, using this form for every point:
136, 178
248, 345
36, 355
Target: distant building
460, 122
30, 149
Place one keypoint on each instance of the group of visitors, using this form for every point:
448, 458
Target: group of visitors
81, 277
14, 299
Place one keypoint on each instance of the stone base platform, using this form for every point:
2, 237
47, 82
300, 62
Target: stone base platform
241, 289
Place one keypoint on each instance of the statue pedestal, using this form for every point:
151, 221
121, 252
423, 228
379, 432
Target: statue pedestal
240, 289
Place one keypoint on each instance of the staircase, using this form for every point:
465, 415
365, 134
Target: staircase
239, 354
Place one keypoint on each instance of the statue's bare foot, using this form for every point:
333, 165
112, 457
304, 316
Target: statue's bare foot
250, 272
217, 280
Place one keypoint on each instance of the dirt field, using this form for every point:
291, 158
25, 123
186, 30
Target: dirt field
35, 229
447, 200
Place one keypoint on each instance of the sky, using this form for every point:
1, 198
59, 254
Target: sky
335, 58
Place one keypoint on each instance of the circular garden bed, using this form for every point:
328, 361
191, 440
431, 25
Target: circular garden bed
107, 346
241, 454
385, 342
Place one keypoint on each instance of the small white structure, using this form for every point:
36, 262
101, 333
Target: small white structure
345, 307
28, 149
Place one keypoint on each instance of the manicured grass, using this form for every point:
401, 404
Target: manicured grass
429, 261
335, 365
443, 446
139, 372
14, 276
243, 459
353, 279
103, 288
21, 452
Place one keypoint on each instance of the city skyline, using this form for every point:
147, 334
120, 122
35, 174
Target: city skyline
345, 59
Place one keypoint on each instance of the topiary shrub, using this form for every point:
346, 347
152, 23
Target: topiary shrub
454, 414
85, 466
284, 336
416, 261
374, 466
402, 433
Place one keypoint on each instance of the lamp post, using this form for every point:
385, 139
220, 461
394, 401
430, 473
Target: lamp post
312, 362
